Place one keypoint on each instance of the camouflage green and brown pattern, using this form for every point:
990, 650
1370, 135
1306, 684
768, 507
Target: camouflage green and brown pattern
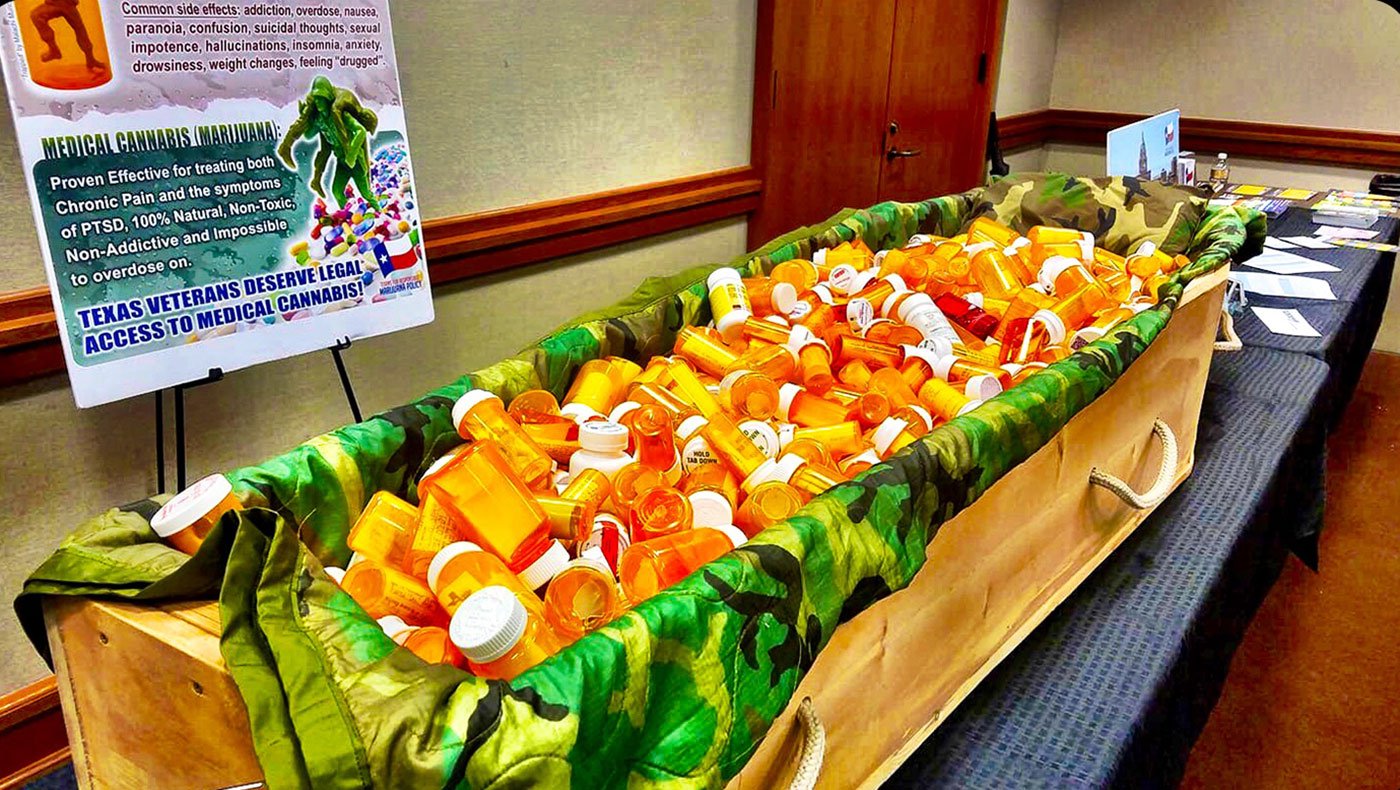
678, 692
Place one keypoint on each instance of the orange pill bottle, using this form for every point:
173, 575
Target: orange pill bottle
813, 360
498, 511
499, 637
382, 591
430, 643
463, 568
589, 485
777, 362
704, 353
191, 514
732, 447
64, 43
800, 407
813, 478
597, 388
653, 431
630, 483
840, 440
748, 394
692, 390
768, 296
582, 598
994, 274
659, 511
944, 400
648, 567
770, 503
384, 530
480, 415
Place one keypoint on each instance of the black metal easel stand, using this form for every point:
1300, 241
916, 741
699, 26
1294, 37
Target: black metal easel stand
216, 375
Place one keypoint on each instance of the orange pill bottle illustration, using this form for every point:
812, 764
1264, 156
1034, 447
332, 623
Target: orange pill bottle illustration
65, 43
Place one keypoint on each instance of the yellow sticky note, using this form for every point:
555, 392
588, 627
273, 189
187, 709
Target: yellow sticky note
1296, 194
1249, 189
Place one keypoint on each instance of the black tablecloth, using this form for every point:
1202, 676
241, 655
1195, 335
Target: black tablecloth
1348, 325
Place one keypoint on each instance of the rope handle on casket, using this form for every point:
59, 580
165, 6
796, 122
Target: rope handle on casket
1162, 486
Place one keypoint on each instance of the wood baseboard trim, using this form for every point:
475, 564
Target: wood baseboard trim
33, 740
1023, 130
1283, 142
464, 246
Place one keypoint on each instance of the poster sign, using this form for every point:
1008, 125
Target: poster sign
1146, 149
216, 183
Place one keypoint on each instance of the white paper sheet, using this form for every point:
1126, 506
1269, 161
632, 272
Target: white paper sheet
1281, 262
1334, 232
1309, 242
1284, 285
1275, 243
1285, 322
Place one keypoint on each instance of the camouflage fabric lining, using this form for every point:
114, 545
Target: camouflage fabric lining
679, 691
1120, 212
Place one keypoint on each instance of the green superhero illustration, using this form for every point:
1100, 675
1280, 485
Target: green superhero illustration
344, 126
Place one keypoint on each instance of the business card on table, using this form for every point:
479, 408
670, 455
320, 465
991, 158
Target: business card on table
1285, 322
1283, 262
1284, 285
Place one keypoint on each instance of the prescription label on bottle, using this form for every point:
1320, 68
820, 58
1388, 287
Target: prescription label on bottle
697, 453
860, 314
762, 435
609, 539
843, 277
728, 297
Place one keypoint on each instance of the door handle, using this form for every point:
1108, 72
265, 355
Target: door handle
900, 153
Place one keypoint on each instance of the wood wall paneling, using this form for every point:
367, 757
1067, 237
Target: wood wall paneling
463, 246
32, 737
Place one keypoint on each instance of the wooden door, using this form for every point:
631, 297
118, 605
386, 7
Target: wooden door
940, 97
822, 69
830, 77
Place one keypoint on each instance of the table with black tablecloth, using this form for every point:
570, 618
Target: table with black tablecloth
1348, 325
1114, 688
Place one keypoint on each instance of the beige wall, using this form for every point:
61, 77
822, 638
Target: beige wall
1326, 63
503, 108
1028, 42
1309, 62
